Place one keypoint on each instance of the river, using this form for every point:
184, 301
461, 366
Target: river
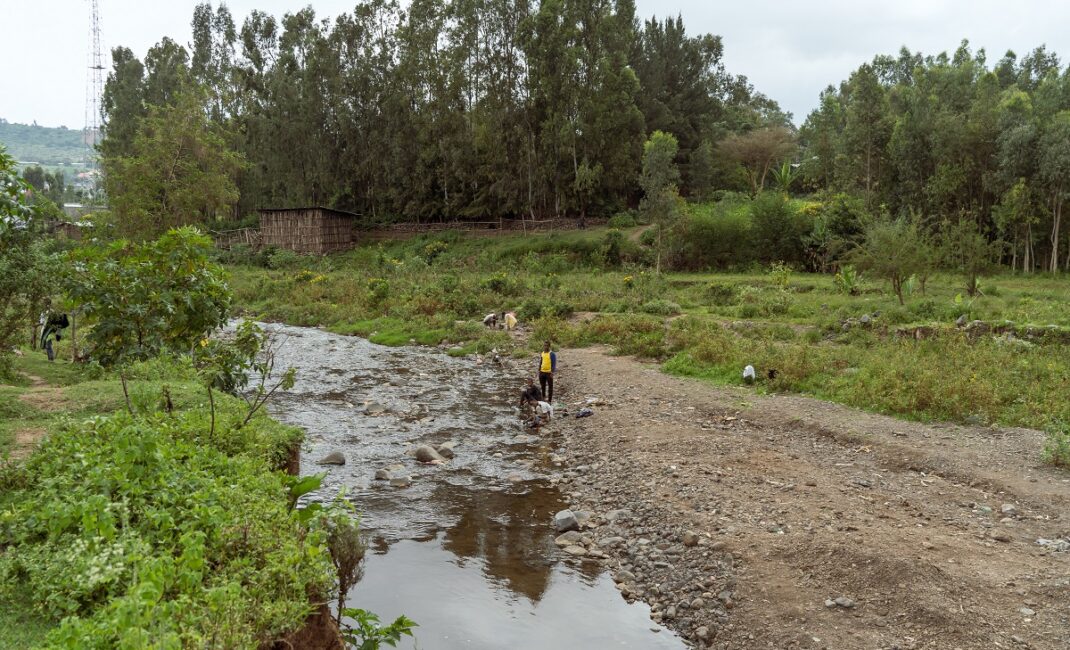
467, 549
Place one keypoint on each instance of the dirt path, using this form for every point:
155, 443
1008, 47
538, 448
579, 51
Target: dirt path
926, 533
44, 397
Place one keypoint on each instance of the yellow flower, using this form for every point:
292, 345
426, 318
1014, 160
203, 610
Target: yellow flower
204, 343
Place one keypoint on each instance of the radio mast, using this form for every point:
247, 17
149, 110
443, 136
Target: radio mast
94, 88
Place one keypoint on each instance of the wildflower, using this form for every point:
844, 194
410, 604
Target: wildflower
204, 343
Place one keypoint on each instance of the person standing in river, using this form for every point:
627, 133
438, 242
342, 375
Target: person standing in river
547, 368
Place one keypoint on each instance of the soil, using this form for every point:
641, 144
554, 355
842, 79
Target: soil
43, 396
928, 534
25, 439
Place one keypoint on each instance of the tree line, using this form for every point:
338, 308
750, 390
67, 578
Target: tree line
446, 109
954, 144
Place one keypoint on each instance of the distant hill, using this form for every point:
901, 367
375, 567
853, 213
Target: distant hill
52, 147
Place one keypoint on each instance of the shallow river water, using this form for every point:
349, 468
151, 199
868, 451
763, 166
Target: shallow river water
467, 550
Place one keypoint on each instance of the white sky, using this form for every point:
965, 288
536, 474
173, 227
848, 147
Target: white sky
790, 50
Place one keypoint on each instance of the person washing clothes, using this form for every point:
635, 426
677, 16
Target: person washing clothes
547, 368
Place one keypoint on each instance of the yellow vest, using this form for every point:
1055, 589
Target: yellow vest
546, 365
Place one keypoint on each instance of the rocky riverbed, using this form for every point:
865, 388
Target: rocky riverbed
751, 521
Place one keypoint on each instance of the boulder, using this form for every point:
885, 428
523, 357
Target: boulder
400, 481
382, 475
690, 538
576, 550
427, 454
571, 538
333, 458
446, 449
565, 521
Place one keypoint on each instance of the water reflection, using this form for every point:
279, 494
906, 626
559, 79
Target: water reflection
467, 550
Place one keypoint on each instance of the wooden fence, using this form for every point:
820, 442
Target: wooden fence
228, 239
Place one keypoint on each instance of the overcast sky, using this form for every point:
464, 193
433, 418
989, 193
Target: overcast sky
790, 50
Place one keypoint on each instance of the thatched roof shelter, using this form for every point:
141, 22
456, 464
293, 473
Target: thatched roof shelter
308, 230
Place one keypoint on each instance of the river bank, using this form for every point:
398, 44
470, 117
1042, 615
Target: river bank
785, 522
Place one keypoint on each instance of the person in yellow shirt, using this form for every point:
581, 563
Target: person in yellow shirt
547, 368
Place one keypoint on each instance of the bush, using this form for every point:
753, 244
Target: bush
661, 307
157, 538
537, 308
1057, 448
711, 236
722, 295
759, 303
281, 259
611, 249
622, 220
778, 229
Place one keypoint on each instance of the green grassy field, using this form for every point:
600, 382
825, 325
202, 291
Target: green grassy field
435, 289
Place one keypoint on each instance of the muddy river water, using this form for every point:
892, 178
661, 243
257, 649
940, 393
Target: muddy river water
467, 549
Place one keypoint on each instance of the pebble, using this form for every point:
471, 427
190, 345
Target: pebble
690, 538
400, 482
1009, 509
382, 475
565, 521
1028, 613
576, 550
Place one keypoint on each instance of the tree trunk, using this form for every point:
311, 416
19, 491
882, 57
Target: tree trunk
1056, 213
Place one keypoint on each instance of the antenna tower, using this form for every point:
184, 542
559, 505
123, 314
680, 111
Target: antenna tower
94, 88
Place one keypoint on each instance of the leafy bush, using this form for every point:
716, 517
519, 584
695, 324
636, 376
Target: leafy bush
536, 308
1057, 447
430, 252
611, 249
848, 280
712, 236
282, 258
502, 284
156, 537
759, 303
722, 295
622, 220
144, 299
661, 307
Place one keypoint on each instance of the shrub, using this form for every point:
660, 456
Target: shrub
1057, 447
536, 308
622, 220
848, 280
722, 295
502, 284
156, 538
611, 249
660, 307
711, 236
281, 258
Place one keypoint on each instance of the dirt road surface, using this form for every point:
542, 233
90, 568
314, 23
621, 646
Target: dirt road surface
752, 521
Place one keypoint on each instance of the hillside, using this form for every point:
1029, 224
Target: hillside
58, 147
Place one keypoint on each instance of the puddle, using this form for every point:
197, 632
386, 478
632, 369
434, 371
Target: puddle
467, 549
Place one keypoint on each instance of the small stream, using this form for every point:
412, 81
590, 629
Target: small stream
467, 549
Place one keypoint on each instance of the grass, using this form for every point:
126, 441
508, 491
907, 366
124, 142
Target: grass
706, 325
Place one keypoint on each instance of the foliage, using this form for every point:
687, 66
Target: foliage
659, 178
622, 220
552, 124
759, 151
179, 172
967, 251
26, 269
893, 250
848, 280
143, 299
368, 634
955, 134
154, 536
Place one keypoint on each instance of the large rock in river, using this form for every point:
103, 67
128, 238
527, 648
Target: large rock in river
427, 454
565, 521
333, 458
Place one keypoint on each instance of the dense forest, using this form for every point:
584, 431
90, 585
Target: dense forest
953, 139
447, 109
